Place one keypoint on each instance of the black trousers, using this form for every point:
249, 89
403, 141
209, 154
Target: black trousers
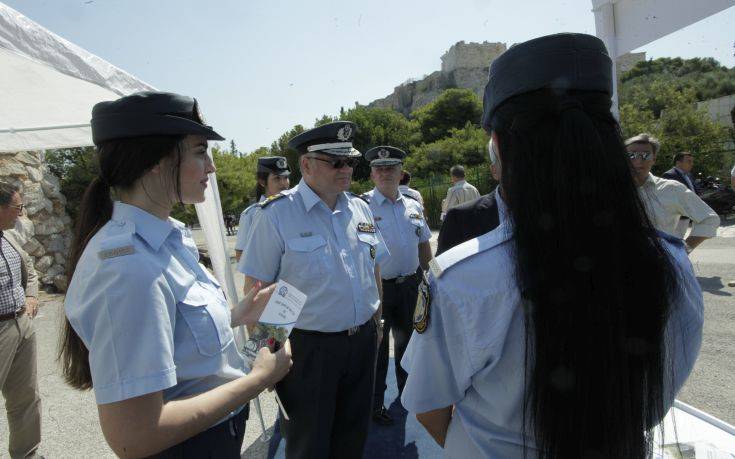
399, 301
221, 441
328, 393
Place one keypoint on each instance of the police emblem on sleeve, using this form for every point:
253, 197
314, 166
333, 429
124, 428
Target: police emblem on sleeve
366, 227
281, 163
344, 133
383, 153
423, 307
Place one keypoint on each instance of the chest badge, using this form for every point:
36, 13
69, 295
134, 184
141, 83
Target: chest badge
366, 227
423, 308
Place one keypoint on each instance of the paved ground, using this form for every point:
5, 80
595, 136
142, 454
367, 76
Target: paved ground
71, 428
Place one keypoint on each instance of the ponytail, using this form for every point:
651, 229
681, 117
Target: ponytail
122, 162
94, 212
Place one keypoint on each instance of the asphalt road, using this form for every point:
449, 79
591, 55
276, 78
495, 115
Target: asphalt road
71, 428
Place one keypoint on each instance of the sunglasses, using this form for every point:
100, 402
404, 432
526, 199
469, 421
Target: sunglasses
643, 155
339, 163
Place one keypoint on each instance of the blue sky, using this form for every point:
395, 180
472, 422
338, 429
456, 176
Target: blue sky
259, 67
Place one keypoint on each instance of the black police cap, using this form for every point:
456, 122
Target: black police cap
274, 165
385, 156
565, 61
149, 113
331, 139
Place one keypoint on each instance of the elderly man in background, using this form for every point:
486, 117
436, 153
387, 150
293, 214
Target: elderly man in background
682, 173
667, 200
18, 305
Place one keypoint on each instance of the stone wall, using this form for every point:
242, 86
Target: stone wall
45, 228
471, 55
464, 65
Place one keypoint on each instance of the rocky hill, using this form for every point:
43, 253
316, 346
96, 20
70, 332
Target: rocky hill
464, 65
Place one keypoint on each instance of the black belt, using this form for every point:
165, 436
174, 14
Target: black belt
401, 279
349, 332
13, 315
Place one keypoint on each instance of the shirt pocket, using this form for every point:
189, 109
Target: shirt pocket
208, 317
308, 254
368, 245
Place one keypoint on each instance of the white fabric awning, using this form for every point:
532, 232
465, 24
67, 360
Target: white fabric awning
48, 86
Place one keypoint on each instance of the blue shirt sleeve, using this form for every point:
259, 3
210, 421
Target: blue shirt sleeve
128, 330
466, 333
243, 228
263, 252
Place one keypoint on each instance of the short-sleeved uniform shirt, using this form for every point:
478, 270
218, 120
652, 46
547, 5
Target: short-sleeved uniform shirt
403, 227
330, 255
246, 224
472, 353
152, 317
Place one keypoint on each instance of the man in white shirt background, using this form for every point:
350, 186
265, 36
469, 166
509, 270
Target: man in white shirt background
682, 173
460, 191
667, 200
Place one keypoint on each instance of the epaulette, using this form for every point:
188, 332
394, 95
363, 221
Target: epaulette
410, 197
116, 246
451, 257
360, 196
271, 199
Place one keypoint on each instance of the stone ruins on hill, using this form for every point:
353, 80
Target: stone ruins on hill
464, 65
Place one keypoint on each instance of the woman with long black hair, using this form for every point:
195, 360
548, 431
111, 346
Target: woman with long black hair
148, 327
567, 331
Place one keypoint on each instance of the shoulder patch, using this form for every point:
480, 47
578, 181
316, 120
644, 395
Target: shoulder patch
487, 241
270, 199
422, 312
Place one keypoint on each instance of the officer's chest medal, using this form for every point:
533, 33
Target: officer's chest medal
423, 307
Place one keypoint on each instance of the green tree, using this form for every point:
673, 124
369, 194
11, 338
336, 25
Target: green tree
451, 110
280, 148
75, 168
379, 126
671, 115
466, 146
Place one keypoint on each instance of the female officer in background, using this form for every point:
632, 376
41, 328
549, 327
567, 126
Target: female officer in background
148, 328
567, 331
272, 177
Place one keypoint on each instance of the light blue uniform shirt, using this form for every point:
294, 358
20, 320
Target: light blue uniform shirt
330, 255
403, 227
151, 316
472, 353
246, 224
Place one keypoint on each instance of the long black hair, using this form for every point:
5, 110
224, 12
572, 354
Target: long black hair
122, 162
595, 280
260, 188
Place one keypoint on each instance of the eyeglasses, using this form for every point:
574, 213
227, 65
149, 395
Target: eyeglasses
643, 155
339, 163
18, 208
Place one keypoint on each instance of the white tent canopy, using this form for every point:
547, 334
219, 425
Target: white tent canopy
49, 85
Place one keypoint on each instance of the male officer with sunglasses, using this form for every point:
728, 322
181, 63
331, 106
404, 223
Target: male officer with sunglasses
324, 241
667, 201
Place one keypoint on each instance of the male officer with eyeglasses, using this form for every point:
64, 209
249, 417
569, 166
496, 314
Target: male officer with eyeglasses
324, 241
667, 201
400, 219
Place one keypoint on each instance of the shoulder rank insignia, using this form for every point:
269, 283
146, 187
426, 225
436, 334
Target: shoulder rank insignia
418, 216
366, 227
270, 199
423, 307
409, 197
365, 197
116, 252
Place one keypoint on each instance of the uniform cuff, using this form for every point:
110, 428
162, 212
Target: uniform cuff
123, 390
